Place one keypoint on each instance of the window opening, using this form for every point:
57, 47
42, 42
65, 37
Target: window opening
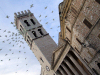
87, 23
21, 31
78, 40
98, 65
34, 33
21, 26
29, 38
41, 59
98, 1
32, 21
77, 50
95, 71
25, 21
40, 31
28, 41
99, 36
68, 29
47, 68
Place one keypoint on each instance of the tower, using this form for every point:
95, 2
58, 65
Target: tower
37, 38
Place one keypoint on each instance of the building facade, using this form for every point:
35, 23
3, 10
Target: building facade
78, 51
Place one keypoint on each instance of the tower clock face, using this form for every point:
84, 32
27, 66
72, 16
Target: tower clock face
47, 68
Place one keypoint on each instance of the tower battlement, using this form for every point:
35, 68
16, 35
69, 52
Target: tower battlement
22, 14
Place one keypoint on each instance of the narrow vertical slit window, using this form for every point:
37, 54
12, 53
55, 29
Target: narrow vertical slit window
41, 59
68, 29
25, 21
28, 41
95, 71
21, 32
32, 21
98, 65
21, 26
78, 41
77, 50
34, 33
99, 36
86, 60
29, 38
98, 1
87, 23
40, 31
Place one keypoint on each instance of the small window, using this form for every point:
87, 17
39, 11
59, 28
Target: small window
86, 60
68, 29
34, 33
98, 1
98, 65
47, 68
77, 50
21, 31
21, 26
99, 36
95, 71
28, 41
25, 21
59, 13
87, 23
41, 59
29, 38
32, 21
40, 31
67, 39
78, 41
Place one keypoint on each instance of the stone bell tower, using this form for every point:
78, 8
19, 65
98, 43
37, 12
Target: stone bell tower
37, 38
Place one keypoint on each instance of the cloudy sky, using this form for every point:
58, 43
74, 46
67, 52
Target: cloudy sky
16, 58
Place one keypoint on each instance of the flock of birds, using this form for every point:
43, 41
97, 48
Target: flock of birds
15, 37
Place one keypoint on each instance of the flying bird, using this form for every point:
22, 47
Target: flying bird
31, 6
40, 16
40, 20
46, 22
46, 7
4, 30
52, 11
11, 22
7, 16
45, 16
0, 49
6, 54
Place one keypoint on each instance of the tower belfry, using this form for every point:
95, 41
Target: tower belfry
37, 38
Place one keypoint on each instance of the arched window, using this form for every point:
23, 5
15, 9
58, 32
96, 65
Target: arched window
25, 21
32, 21
40, 31
34, 33
98, 65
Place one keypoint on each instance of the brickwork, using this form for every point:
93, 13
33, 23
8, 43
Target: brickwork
80, 26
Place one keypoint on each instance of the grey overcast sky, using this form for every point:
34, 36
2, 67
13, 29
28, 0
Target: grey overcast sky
16, 58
